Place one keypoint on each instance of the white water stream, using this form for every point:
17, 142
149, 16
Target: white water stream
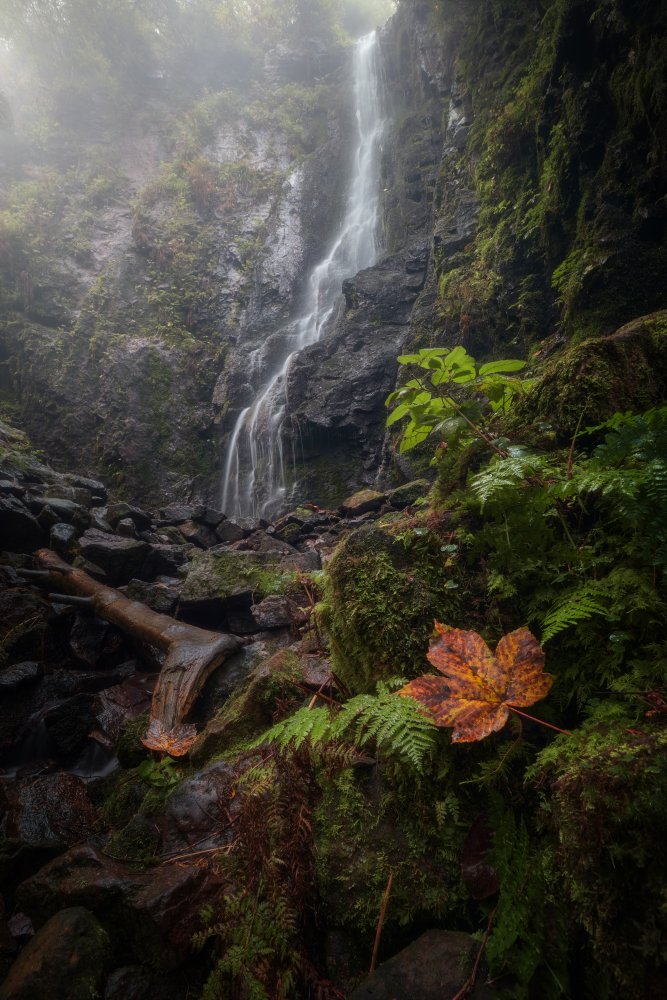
254, 482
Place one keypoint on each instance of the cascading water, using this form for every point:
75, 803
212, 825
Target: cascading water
254, 480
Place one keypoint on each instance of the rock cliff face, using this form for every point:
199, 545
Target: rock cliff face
522, 180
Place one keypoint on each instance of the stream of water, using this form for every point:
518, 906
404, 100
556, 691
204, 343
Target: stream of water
255, 482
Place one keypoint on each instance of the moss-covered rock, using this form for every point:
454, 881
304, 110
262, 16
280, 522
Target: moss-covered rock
382, 593
589, 382
604, 797
230, 575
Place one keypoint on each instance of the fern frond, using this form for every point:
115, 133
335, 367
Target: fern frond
576, 608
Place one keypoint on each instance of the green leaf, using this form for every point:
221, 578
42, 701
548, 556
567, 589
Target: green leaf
399, 412
413, 436
500, 367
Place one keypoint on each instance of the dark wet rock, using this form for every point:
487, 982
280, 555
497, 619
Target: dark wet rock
62, 510
260, 541
159, 597
19, 530
434, 966
95, 642
66, 960
69, 723
165, 913
180, 513
120, 558
99, 521
166, 559
229, 531
198, 534
19, 675
97, 489
81, 876
63, 539
289, 533
407, 494
131, 982
117, 512
208, 516
127, 528
11, 487
52, 810
24, 621
201, 812
363, 502
274, 611
118, 704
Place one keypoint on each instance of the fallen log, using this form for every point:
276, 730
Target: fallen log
192, 653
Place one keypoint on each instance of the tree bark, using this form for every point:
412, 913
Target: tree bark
191, 653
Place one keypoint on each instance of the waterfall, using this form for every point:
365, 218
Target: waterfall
254, 482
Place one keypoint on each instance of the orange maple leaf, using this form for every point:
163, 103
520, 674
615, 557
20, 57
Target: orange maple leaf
478, 689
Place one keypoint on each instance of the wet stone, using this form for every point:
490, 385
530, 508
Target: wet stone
63, 539
66, 960
19, 675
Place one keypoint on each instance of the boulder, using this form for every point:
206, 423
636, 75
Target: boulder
198, 534
62, 510
120, 558
274, 611
224, 577
161, 597
260, 541
118, 704
52, 810
131, 982
19, 530
163, 915
81, 876
200, 814
19, 675
63, 539
363, 502
116, 512
180, 513
208, 516
228, 531
407, 494
165, 559
433, 967
127, 528
69, 723
66, 960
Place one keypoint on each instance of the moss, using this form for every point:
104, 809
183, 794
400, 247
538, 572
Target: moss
251, 709
228, 574
368, 824
593, 380
604, 798
381, 596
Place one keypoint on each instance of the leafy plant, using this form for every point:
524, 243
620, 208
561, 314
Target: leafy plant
159, 773
379, 720
454, 397
477, 690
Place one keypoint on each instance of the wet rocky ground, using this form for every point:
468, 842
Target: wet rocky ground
102, 891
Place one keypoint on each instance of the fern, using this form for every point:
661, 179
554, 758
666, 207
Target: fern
392, 724
575, 608
500, 480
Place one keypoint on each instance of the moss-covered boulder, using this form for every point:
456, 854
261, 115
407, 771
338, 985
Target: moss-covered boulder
229, 577
66, 960
382, 593
590, 381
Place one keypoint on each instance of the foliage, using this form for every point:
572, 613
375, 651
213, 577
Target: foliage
379, 721
478, 689
381, 596
159, 773
455, 409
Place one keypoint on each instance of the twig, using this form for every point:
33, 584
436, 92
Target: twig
318, 693
472, 978
378, 932
77, 602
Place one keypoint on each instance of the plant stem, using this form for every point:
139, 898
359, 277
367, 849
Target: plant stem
378, 932
540, 721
